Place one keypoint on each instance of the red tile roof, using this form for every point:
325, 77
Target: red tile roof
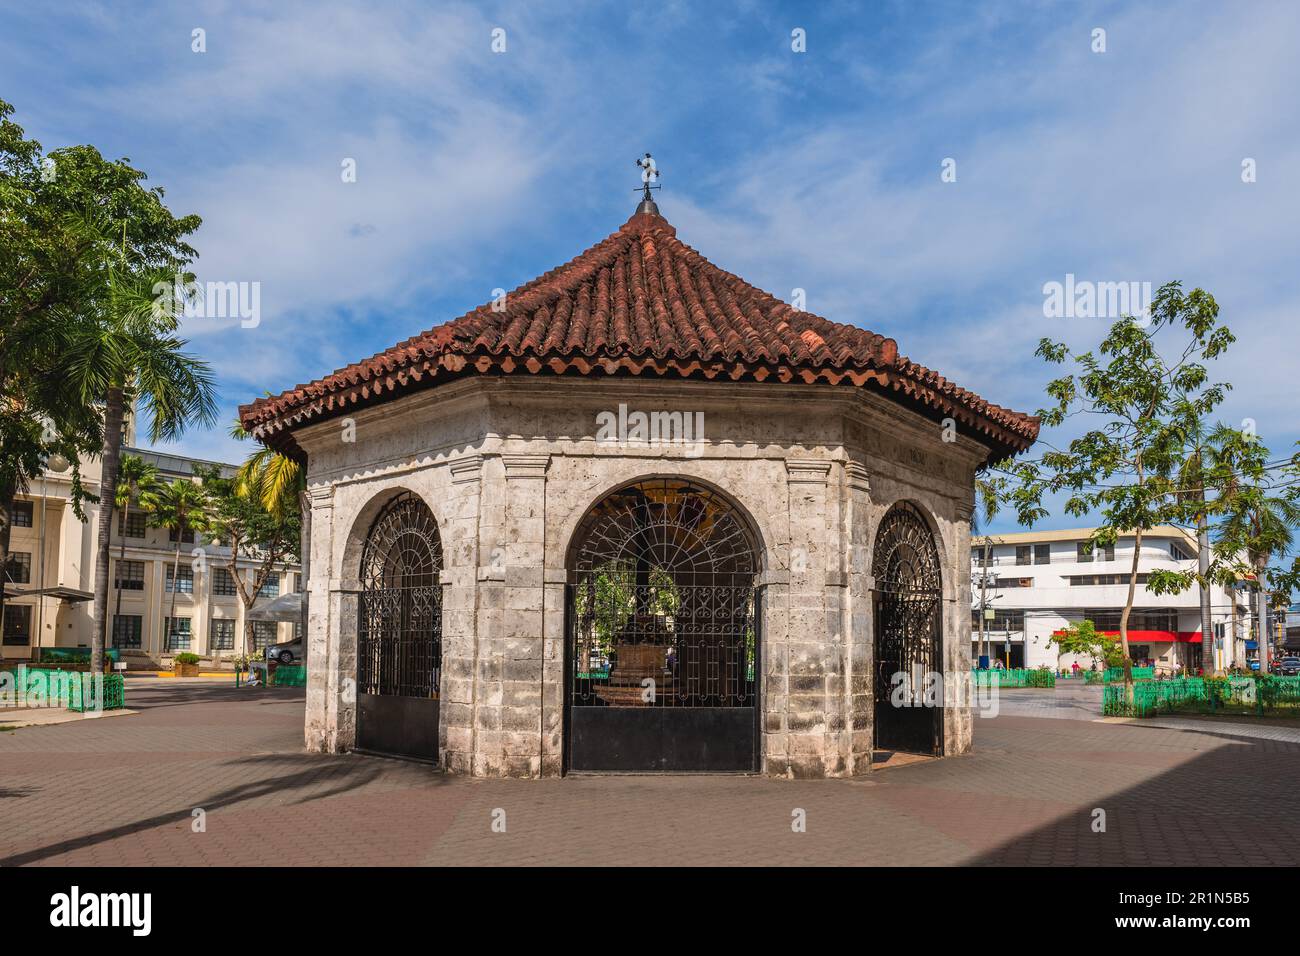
641, 302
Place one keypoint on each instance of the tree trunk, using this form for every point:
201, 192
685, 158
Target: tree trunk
8, 489
1124, 614
1203, 565
176, 583
984, 585
114, 404
121, 559
1263, 638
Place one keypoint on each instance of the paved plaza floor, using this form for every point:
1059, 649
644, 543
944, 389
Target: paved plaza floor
126, 791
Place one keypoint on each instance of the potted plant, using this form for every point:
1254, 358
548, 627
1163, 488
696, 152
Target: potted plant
186, 664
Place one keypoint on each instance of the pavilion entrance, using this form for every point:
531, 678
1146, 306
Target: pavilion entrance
663, 644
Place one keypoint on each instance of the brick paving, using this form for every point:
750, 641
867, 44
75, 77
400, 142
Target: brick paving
123, 792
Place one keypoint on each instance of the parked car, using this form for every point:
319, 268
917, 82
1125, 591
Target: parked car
290, 653
1289, 666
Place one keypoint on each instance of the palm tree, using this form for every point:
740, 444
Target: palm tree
1254, 519
986, 509
131, 355
1192, 488
179, 507
275, 480
137, 480
279, 483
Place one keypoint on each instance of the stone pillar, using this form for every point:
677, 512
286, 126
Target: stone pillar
958, 724
815, 720
459, 519
322, 676
512, 645
860, 650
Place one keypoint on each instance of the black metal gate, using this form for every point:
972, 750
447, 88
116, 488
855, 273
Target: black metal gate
663, 648
399, 634
908, 621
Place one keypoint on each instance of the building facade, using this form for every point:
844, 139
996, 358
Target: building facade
1039, 582
638, 516
51, 575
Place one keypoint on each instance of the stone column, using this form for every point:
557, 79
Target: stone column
815, 719
512, 645
460, 570
860, 650
958, 728
322, 641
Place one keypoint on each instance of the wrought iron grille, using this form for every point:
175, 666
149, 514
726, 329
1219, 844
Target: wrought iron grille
662, 601
909, 591
399, 641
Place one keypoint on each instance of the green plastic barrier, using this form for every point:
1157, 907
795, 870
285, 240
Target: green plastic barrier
1250, 696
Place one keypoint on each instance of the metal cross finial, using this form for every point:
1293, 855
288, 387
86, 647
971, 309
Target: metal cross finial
649, 175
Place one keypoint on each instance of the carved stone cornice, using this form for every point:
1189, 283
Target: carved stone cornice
807, 471
525, 466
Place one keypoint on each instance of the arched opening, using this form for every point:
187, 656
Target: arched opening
908, 608
663, 641
399, 632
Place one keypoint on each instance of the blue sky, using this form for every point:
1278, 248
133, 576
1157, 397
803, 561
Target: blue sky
817, 170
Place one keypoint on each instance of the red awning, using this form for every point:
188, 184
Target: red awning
1155, 637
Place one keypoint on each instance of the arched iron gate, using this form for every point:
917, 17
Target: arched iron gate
399, 632
908, 621
663, 634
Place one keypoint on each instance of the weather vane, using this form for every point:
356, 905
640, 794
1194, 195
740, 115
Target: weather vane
649, 175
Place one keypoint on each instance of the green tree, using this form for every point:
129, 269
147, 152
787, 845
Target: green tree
137, 481
1125, 468
47, 277
125, 353
180, 506
241, 522
1083, 638
1257, 513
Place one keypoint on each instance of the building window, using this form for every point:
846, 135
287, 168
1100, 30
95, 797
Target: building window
127, 629
18, 625
1089, 580
223, 634
22, 514
1154, 619
223, 584
185, 582
1012, 583
130, 526
1042, 554
263, 634
271, 586
1108, 553
130, 576
1179, 553
18, 569
188, 537
1023, 552
1085, 552
178, 633
1004, 619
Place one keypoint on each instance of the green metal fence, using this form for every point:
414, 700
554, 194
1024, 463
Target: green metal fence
289, 675
77, 688
1253, 696
1016, 677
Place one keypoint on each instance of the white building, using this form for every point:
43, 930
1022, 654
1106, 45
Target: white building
50, 579
1038, 582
